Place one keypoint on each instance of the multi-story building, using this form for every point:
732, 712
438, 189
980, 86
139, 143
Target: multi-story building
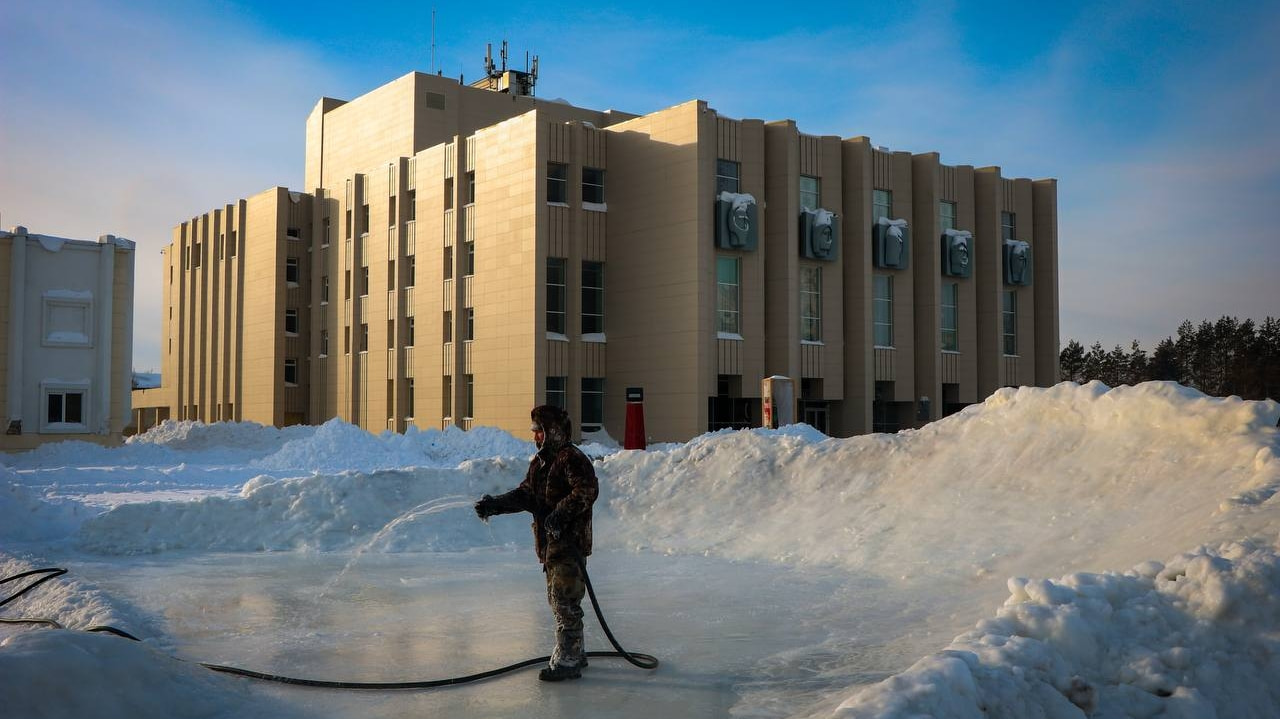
66, 338
464, 253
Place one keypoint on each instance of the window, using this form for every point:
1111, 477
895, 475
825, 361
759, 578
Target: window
881, 204
448, 193
348, 223
592, 298
346, 284
448, 262
811, 304
408, 410
592, 404
947, 215
469, 332
291, 372
65, 407
469, 267
364, 337
291, 321
234, 245
593, 185
391, 210
364, 281
293, 233
1009, 314
411, 208
324, 289
410, 271
346, 340
324, 232
471, 396
408, 331
391, 334
448, 326
950, 316
882, 315
291, 271
324, 343
195, 256
471, 187
364, 219
446, 397
726, 176
391, 274
727, 314
556, 294
557, 182
555, 391
810, 193
1008, 226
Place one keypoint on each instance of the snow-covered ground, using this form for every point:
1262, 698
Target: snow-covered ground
1092, 552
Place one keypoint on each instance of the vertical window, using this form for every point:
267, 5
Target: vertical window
448, 262
391, 334
448, 193
470, 330
727, 308
391, 211
471, 396
557, 182
951, 316
291, 271
346, 284
592, 404
411, 208
410, 271
881, 204
811, 304
364, 280
291, 372
593, 185
195, 256
364, 219
408, 331
810, 193
555, 391
1008, 226
324, 232
446, 397
556, 297
293, 233
448, 326
291, 321
592, 298
324, 289
1009, 314
364, 337
882, 316
726, 176
65, 408
348, 223
408, 410
346, 340
947, 215
391, 274
469, 262
324, 343
471, 187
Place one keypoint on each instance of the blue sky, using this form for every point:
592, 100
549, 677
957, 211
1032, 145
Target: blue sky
1157, 118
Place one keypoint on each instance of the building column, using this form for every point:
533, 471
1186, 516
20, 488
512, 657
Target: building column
17, 311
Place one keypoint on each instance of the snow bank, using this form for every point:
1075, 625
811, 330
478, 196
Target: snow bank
26, 515
1198, 637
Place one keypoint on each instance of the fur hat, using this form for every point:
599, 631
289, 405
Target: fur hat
554, 423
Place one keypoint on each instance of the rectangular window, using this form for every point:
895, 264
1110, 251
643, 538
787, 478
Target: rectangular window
592, 298
810, 193
291, 271
195, 256
291, 321
592, 404
1009, 314
471, 187
448, 193
811, 304
446, 397
408, 331
348, 223
391, 274
291, 372
950, 316
364, 281
293, 233
448, 326
881, 204
593, 185
411, 206
471, 396
726, 176
469, 261
364, 337
727, 286
557, 182
391, 334
882, 314
469, 332
324, 343
448, 262
947, 215
408, 410
410, 270
556, 298
346, 340
391, 211
65, 408
1008, 226
555, 391
324, 232
364, 219
346, 284
324, 289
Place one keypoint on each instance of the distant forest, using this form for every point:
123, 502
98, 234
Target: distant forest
1222, 358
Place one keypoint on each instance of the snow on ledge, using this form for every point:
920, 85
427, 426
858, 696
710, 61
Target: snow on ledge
728, 336
595, 206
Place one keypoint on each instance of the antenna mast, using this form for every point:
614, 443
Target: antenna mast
433, 39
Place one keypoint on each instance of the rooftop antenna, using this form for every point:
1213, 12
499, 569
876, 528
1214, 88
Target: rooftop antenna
488, 59
504, 55
433, 39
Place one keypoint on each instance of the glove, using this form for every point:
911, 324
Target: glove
555, 523
486, 507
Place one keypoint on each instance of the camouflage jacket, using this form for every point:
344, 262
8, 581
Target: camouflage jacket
563, 480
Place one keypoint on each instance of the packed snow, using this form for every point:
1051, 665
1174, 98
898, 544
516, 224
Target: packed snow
1093, 552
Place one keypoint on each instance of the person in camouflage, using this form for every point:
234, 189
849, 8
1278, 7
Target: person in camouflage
558, 490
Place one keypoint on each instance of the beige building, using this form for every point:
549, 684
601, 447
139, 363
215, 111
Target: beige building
463, 253
66, 338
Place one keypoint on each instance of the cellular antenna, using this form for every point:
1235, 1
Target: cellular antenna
433, 39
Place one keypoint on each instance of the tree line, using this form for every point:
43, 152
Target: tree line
1222, 358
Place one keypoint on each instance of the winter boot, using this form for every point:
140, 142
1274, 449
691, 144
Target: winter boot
560, 673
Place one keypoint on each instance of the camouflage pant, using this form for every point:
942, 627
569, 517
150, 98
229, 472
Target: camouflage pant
565, 589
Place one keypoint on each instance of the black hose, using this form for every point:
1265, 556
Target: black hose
644, 661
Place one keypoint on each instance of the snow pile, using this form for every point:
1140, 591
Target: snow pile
1199, 637
27, 516
336, 446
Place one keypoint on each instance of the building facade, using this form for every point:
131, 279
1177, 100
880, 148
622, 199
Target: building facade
66, 338
463, 254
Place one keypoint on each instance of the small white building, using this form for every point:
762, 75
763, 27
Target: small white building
66, 338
